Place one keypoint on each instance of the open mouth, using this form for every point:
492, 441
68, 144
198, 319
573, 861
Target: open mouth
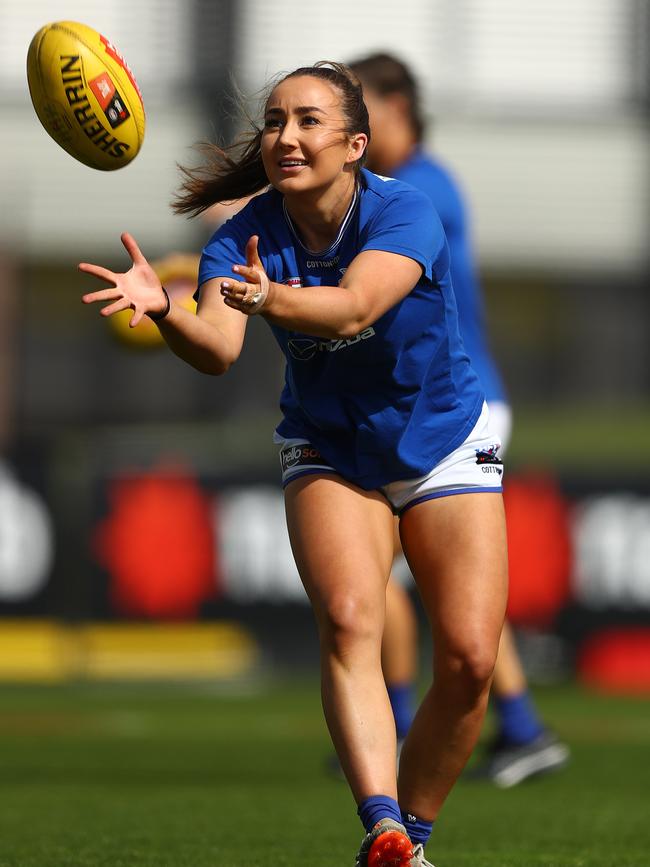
292, 163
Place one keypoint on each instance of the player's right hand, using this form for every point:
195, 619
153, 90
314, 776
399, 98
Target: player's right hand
138, 288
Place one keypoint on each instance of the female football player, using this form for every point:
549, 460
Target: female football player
382, 414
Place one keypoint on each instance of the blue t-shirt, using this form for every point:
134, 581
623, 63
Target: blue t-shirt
429, 176
393, 401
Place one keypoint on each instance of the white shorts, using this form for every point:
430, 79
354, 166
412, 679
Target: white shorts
471, 468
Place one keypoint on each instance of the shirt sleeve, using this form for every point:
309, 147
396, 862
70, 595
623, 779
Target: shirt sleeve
227, 247
408, 224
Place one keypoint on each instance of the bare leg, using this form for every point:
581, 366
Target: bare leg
456, 548
399, 647
509, 677
342, 542
399, 643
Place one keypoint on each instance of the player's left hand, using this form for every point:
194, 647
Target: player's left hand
251, 292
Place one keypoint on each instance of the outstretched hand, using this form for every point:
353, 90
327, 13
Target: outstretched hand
251, 292
138, 288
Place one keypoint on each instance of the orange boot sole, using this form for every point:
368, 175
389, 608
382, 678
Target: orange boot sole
392, 849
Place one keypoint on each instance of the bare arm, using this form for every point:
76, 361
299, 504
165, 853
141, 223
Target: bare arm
210, 341
374, 282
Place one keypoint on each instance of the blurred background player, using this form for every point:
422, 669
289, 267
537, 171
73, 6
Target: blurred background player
523, 745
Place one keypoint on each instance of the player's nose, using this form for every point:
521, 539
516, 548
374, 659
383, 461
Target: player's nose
287, 137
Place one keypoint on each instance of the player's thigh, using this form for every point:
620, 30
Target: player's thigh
342, 540
397, 542
456, 550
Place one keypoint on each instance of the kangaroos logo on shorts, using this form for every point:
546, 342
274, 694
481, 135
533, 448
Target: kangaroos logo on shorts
489, 459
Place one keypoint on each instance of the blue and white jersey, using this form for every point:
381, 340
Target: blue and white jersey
393, 401
433, 179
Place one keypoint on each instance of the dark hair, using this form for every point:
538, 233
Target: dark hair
385, 74
236, 171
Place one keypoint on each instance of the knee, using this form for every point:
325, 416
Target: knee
349, 620
468, 667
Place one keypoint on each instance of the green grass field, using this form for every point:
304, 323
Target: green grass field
151, 776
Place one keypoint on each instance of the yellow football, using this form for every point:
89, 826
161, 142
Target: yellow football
85, 95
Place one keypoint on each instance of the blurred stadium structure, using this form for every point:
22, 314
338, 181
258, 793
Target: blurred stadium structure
542, 110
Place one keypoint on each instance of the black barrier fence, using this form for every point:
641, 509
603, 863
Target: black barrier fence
87, 536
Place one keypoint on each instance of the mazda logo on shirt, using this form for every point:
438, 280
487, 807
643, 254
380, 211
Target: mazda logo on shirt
302, 348
305, 348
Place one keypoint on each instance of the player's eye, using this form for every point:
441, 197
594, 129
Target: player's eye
310, 120
272, 123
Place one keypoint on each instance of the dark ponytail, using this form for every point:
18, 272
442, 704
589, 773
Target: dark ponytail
227, 174
236, 171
